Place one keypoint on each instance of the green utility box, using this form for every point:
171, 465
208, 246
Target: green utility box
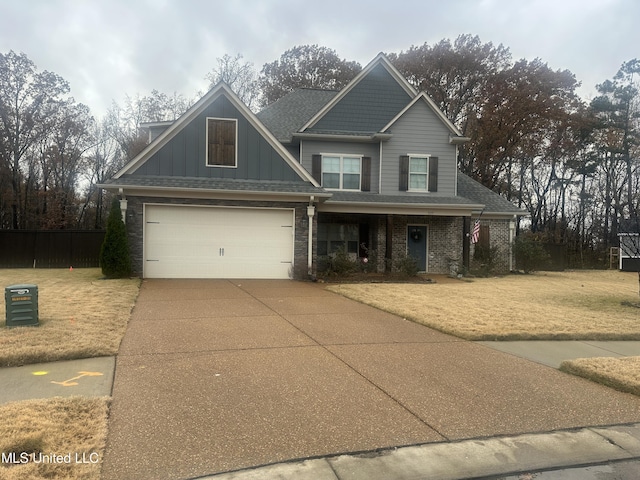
22, 305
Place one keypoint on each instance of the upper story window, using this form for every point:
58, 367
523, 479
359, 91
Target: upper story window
222, 136
341, 172
418, 173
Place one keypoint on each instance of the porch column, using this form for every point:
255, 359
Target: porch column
466, 239
311, 210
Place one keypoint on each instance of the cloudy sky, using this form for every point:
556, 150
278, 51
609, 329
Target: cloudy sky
108, 48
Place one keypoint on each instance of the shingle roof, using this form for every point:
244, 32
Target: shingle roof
285, 116
178, 183
478, 193
360, 197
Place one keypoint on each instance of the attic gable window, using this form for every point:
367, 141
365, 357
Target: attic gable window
222, 136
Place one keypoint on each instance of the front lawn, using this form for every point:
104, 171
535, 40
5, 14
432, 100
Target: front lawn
81, 315
576, 305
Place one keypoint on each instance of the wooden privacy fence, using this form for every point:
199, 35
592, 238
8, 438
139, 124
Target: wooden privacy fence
50, 248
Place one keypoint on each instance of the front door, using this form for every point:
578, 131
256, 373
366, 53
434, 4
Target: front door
417, 245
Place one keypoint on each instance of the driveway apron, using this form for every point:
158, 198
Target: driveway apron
219, 375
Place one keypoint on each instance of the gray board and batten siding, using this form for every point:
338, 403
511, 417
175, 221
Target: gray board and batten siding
185, 154
367, 107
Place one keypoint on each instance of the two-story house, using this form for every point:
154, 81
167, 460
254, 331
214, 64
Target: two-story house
371, 169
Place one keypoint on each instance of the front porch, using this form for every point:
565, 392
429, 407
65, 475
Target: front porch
435, 242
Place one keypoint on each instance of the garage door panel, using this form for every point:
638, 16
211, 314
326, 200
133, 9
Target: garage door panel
216, 242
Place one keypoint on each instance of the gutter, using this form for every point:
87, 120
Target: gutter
376, 137
205, 192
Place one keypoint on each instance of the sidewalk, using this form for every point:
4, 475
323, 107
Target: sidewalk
87, 376
553, 353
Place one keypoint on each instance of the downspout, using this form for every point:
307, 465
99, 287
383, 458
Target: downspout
512, 235
311, 210
123, 206
380, 170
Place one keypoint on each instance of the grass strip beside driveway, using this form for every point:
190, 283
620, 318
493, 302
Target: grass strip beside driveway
53, 438
575, 305
81, 316
620, 373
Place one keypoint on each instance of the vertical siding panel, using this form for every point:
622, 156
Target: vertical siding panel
253, 157
191, 156
245, 135
185, 153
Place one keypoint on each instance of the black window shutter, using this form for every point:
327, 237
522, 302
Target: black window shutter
484, 240
433, 174
316, 168
404, 173
366, 174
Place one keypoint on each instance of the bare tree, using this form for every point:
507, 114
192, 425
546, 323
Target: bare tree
28, 102
239, 75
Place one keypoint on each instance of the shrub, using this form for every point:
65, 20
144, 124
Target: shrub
530, 252
407, 265
338, 263
114, 253
486, 260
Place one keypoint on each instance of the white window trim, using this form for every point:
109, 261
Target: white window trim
206, 140
418, 155
341, 156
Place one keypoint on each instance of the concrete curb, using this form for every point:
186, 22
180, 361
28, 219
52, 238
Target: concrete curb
465, 459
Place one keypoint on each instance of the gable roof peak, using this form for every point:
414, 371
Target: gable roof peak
432, 105
220, 89
380, 59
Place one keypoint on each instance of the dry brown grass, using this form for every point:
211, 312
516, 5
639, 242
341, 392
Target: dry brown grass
620, 373
81, 315
75, 427
575, 305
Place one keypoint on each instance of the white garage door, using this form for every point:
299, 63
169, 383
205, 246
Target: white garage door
217, 242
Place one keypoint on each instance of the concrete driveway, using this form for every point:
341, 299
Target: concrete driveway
218, 375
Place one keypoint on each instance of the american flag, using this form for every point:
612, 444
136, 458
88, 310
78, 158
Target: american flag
475, 235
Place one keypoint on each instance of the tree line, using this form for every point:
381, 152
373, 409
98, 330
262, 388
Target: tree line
572, 164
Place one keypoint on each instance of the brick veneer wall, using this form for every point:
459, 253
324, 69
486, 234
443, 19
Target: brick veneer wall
135, 226
498, 239
444, 245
